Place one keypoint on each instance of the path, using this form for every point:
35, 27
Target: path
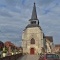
29, 57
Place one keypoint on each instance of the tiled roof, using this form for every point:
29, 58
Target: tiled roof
50, 38
32, 25
57, 45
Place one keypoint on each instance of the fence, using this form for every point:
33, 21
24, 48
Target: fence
13, 57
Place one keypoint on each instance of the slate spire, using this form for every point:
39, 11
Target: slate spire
34, 14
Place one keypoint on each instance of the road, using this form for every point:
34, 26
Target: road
29, 57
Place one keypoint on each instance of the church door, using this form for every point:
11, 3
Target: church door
32, 51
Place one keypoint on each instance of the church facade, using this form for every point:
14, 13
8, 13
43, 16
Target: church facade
33, 41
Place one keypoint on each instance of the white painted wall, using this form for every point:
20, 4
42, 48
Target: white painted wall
30, 33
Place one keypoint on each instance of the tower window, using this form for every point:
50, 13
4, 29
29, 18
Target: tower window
33, 22
32, 41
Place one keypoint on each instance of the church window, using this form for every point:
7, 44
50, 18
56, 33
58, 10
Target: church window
33, 22
32, 41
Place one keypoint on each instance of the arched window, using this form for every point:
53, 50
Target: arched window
32, 41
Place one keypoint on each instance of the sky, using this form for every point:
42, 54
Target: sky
15, 15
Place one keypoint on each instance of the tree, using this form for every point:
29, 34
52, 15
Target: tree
1, 45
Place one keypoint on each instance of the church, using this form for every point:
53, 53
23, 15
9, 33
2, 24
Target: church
33, 39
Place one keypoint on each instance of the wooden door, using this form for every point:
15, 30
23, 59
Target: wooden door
32, 51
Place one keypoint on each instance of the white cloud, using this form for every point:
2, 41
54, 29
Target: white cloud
14, 16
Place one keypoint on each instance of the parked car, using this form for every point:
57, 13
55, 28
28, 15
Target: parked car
49, 57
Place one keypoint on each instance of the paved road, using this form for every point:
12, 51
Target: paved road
29, 57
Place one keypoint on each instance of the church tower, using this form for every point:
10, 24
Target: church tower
33, 37
34, 19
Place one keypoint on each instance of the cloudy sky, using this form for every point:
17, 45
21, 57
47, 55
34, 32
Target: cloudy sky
14, 16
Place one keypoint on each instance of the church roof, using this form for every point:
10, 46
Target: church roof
34, 14
50, 38
33, 17
32, 25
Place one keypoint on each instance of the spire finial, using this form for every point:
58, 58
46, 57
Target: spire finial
34, 3
34, 14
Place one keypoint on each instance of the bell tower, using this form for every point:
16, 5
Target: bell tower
34, 20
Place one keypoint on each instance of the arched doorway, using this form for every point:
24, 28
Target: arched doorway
32, 51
